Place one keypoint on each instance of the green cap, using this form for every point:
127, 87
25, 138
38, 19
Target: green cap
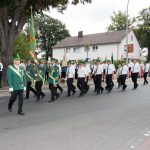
98, 60
81, 62
16, 56
53, 59
69, 62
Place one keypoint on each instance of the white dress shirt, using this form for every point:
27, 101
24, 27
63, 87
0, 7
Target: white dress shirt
93, 68
1, 67
104, 66
88, 70
59, 69
146, 68
110, 69
135, 68
70, 72
123, 70
98, 69
82, 72
130, 64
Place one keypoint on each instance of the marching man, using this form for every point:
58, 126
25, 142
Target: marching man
70, 78
135, 69
82, 76
17, 84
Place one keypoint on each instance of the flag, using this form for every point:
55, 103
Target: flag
112, 59
32, 40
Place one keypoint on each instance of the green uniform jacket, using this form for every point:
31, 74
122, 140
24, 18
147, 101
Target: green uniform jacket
53, 75
31, 72
16, 79
41, 73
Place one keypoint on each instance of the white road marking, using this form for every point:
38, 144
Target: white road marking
146, 134
132, 147
3, 101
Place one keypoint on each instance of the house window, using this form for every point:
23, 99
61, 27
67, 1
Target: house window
130, 48
67, 50
77, 50
131, 38
95, 48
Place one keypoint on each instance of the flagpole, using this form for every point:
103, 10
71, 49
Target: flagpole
31, 9
32, 31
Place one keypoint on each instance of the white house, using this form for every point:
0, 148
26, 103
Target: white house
100, 45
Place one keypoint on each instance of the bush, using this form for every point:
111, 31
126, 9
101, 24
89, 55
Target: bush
117, 63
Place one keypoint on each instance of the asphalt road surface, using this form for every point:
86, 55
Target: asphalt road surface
115, 121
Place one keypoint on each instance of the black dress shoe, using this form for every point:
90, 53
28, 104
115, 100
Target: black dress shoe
38, 99
52, 100
21, 113
10, 109
35, 95
73, 92
42, 96
81, 94
98, 93
68, 95
61, 91
57, 96
102, 90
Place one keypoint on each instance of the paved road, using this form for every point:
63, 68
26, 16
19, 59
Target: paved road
115, 121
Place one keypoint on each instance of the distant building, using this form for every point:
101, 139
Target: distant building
99, 45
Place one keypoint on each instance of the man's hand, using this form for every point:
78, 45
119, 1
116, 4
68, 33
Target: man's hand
24, 89
11, 90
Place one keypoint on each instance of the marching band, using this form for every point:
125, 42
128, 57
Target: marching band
38, 74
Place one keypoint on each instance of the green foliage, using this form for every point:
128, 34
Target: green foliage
142, 31
22, 46
119, 21
117, 63
49, 31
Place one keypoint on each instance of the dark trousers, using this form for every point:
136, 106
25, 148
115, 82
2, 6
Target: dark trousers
94, 80
86, 86
38, 87
29, 88
80, 85
59, 87
70, 85
13, 98
104, 70
134, 79
0, 79
53, 91
109, 82
123, 80
145, 77
98, 82
119, 81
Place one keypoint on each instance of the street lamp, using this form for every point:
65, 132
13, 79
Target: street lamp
127, 34
87, 49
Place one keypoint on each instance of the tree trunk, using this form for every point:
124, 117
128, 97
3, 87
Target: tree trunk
8, 34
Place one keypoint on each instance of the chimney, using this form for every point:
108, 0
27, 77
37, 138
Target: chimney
80, 34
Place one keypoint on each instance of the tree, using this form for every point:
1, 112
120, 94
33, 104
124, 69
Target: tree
142, 31
49, 31
118, 21
15, 13
22, 45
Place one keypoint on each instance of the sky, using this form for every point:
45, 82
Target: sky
95, 17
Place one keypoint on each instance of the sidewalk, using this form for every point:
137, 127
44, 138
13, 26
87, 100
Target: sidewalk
5, 92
